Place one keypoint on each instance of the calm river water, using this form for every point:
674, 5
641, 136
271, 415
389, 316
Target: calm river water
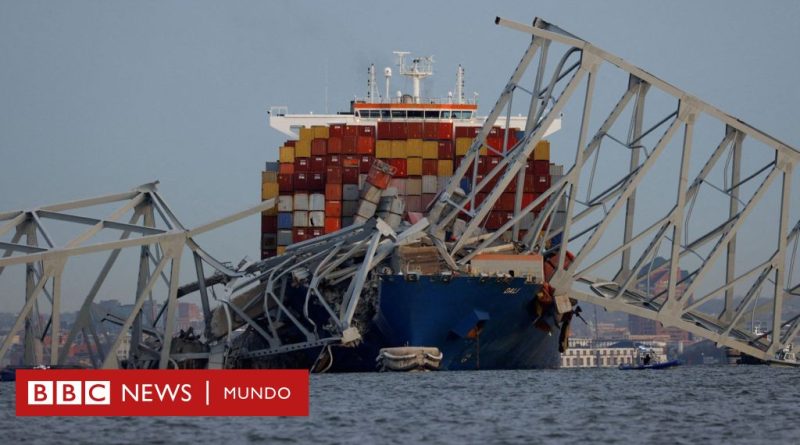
726, 404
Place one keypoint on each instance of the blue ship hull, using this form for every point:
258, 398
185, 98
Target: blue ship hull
477, 323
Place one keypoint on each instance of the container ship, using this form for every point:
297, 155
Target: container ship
405, 149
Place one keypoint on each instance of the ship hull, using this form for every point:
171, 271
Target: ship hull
477, 323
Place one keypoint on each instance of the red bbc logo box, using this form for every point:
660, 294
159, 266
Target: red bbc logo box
233, 392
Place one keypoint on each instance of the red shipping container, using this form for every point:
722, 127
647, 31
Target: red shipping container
286, 168
350, 161
334, 160
512, 186
460, 159
528, 198
334, 174
541, 167
351, 130
317, 164
336, 130
384, 130
378, 178
467, 132
414, 203
316, 181
286, 182
365, 145
333, 208
505, 203
335, 144
430, 167
400, 166
319, 147
349, 144
289, 143
415, 130
495, 220
541, 183
350, 175
427, 199
446, 150
333, 191
299, 234
301, 164
530, 186
399, 130
300, 181
430, 130
315, 232
366, 130
332, 224
445, 131
269, 224
364, 163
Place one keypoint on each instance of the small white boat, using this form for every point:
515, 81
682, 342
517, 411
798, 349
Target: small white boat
409, 358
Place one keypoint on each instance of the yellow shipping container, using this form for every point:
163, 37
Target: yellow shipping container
399, 150
269, 177
286, 154
445, 167
542, 151
281, 250
414, 148
383, 149
320, 131
302, 148
414, 166
462, 146
430, 150
306, 134
269, 190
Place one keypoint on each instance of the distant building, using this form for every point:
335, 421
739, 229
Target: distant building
586, 353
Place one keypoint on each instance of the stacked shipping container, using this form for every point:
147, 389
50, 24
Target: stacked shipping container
318, 178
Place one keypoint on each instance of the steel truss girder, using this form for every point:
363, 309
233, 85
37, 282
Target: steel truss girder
52, 257
673, 306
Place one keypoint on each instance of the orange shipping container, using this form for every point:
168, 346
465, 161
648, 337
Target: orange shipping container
286, 168
333, 208
333, 192
332, 224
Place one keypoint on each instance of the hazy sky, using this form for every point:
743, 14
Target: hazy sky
98, 97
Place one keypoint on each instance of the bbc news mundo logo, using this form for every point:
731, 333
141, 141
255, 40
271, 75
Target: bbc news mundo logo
162, 393
69, 392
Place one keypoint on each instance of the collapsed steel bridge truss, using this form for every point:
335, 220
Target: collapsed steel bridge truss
672, 176
638, 246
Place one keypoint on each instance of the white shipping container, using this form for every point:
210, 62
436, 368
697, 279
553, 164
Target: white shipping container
316, 219
556, 170
366, 209
350, 192
429, 184
413, 186
301, 202
284, 237
399, 185
441, 183
371, 193
300, 218
285, 203
317, 202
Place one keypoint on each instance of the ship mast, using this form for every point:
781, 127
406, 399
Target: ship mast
421, 67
